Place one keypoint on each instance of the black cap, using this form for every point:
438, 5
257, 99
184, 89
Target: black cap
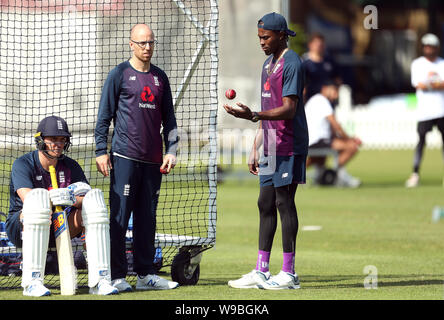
53, 126
275, 22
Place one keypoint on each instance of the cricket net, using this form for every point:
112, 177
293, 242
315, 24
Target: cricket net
54, 58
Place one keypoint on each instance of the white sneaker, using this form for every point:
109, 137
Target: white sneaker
104, 288
154, 282
254, 279
36, 289
283, 280
412, 181
346, 180
121, 285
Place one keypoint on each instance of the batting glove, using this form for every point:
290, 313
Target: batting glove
79, 189
62, 197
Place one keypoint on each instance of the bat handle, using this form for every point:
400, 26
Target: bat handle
52, 172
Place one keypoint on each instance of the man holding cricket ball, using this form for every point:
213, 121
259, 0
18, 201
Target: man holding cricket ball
34, 196
284, 135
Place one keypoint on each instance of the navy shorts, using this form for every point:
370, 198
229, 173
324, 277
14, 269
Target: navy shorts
280, 171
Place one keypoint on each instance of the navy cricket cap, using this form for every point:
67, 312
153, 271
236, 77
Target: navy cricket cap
53, 126
275, 22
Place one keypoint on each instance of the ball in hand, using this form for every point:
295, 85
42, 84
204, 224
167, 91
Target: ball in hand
230, 94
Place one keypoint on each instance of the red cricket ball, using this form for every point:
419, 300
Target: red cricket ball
230, 94
163, 171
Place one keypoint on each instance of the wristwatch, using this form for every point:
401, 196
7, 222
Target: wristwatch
255, 117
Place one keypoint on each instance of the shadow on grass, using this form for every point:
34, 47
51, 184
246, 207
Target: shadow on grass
357, 281
347, 281
372, 184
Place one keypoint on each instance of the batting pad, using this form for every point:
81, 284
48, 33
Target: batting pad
35, 236
96, 222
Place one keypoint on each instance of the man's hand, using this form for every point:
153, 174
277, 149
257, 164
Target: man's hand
62, 197
79, 189
103, 164
357, 141
169, 162
253, 162
244, 112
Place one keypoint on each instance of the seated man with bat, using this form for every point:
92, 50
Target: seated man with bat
52, 202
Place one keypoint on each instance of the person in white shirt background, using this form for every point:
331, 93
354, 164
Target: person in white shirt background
427, 76
324, 131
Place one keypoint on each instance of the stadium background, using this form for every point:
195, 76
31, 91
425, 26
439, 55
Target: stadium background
377, 102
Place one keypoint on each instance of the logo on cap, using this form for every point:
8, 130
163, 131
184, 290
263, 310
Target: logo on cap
53, 126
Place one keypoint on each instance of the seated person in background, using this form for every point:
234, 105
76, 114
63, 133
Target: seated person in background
325, 132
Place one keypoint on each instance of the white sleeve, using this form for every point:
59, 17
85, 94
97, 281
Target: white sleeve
414, 73
325, 108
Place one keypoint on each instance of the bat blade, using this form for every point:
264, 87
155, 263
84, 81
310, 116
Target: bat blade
67, 270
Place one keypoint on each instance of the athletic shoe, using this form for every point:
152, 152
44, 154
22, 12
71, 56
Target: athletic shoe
315, 175
254, 279
36, 289
104, 288
283, 280
344, 179
154, 282
121, 285
412, 181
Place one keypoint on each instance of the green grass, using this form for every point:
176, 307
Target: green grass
381, 224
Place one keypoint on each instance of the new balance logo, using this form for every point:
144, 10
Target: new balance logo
156, 81
103, 273
132, 78
151, 282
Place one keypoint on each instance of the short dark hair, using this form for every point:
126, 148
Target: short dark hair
329, 82
316, 35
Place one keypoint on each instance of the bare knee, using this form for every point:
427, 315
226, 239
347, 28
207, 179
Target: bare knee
75, 222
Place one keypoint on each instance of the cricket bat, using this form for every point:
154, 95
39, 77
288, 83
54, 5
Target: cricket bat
67, 270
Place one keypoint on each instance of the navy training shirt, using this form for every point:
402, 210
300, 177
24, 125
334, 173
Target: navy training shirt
138, 103
288, 137
317, 73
